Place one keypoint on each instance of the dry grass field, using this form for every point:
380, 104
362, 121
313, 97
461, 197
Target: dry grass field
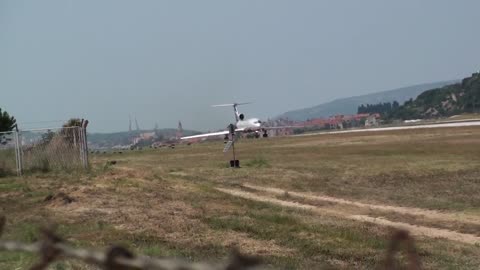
313, 202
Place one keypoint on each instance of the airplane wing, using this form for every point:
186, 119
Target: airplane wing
220, 133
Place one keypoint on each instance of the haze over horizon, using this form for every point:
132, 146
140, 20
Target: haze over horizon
165, 61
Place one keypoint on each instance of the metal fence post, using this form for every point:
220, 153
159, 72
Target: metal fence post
80, 145
83, 143
80, 151
17, 163
18, 153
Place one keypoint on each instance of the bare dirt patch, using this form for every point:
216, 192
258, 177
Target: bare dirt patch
59, 199
161, 212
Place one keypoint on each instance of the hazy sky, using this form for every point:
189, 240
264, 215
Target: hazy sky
164, 61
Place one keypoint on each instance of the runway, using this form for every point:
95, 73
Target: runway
466, 123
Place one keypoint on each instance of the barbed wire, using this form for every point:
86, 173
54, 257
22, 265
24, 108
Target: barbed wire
51, 248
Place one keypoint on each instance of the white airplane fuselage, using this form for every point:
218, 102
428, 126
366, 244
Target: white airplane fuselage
251, 124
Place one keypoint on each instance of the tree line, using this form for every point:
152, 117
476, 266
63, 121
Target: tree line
463, 97
381, 108
7, 122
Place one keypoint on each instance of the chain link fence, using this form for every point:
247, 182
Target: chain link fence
8, 153
43, 150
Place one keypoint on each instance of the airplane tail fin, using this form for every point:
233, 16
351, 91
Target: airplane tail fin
231, 104
237, 114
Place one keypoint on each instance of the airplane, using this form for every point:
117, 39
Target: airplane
242, 125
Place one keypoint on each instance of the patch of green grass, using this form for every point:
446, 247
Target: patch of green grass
312, 242
11, 185
258, 162
7, 162
173, 170
16, 260
151, 245
162, 249
59, 266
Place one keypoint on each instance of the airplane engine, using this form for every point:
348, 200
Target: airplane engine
241, 116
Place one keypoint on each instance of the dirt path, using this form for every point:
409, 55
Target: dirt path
421, 230
397, 209
414, 229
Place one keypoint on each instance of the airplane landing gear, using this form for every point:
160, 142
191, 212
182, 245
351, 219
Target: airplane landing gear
265, 134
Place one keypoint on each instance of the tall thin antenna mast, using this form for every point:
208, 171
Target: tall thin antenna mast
179, 130
129, 123
136, 124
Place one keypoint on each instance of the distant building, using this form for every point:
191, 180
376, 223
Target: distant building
143, 137
371, 120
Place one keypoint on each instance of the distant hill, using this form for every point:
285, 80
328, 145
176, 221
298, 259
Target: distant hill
457, 98
349, 105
